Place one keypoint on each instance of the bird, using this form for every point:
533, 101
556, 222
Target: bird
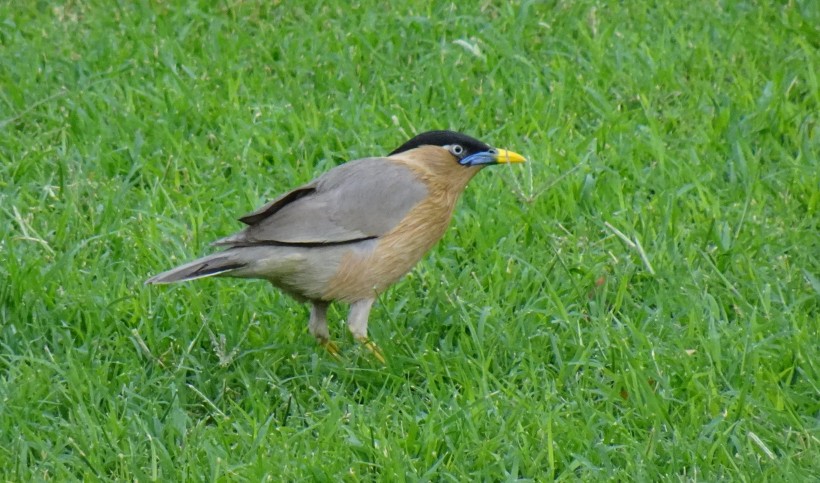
353, 231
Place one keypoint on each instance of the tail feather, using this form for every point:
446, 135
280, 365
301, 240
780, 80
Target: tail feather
204, 267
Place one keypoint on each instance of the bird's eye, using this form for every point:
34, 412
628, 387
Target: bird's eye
457, 150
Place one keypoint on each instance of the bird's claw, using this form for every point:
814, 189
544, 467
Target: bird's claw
332, 349
373, 348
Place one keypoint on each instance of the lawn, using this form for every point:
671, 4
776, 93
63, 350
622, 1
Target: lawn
640, 301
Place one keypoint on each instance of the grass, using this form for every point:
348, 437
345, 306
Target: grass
639, 302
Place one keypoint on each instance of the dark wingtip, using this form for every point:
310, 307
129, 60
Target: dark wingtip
271, 208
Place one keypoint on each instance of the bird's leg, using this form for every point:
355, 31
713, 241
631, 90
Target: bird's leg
357, 323
318, 327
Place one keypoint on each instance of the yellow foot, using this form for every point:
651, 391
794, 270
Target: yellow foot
332, 348
373, 348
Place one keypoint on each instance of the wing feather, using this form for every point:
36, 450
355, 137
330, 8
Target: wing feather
358, 200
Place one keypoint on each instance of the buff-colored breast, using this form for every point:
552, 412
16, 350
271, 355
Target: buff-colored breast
364, 275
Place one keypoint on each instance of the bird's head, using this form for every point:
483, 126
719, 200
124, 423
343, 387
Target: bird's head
463, 149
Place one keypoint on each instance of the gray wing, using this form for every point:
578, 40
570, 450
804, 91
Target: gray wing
357, 200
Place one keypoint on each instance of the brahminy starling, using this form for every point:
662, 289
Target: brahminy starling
354, 231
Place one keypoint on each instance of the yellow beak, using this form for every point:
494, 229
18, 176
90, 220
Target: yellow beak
504, 156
